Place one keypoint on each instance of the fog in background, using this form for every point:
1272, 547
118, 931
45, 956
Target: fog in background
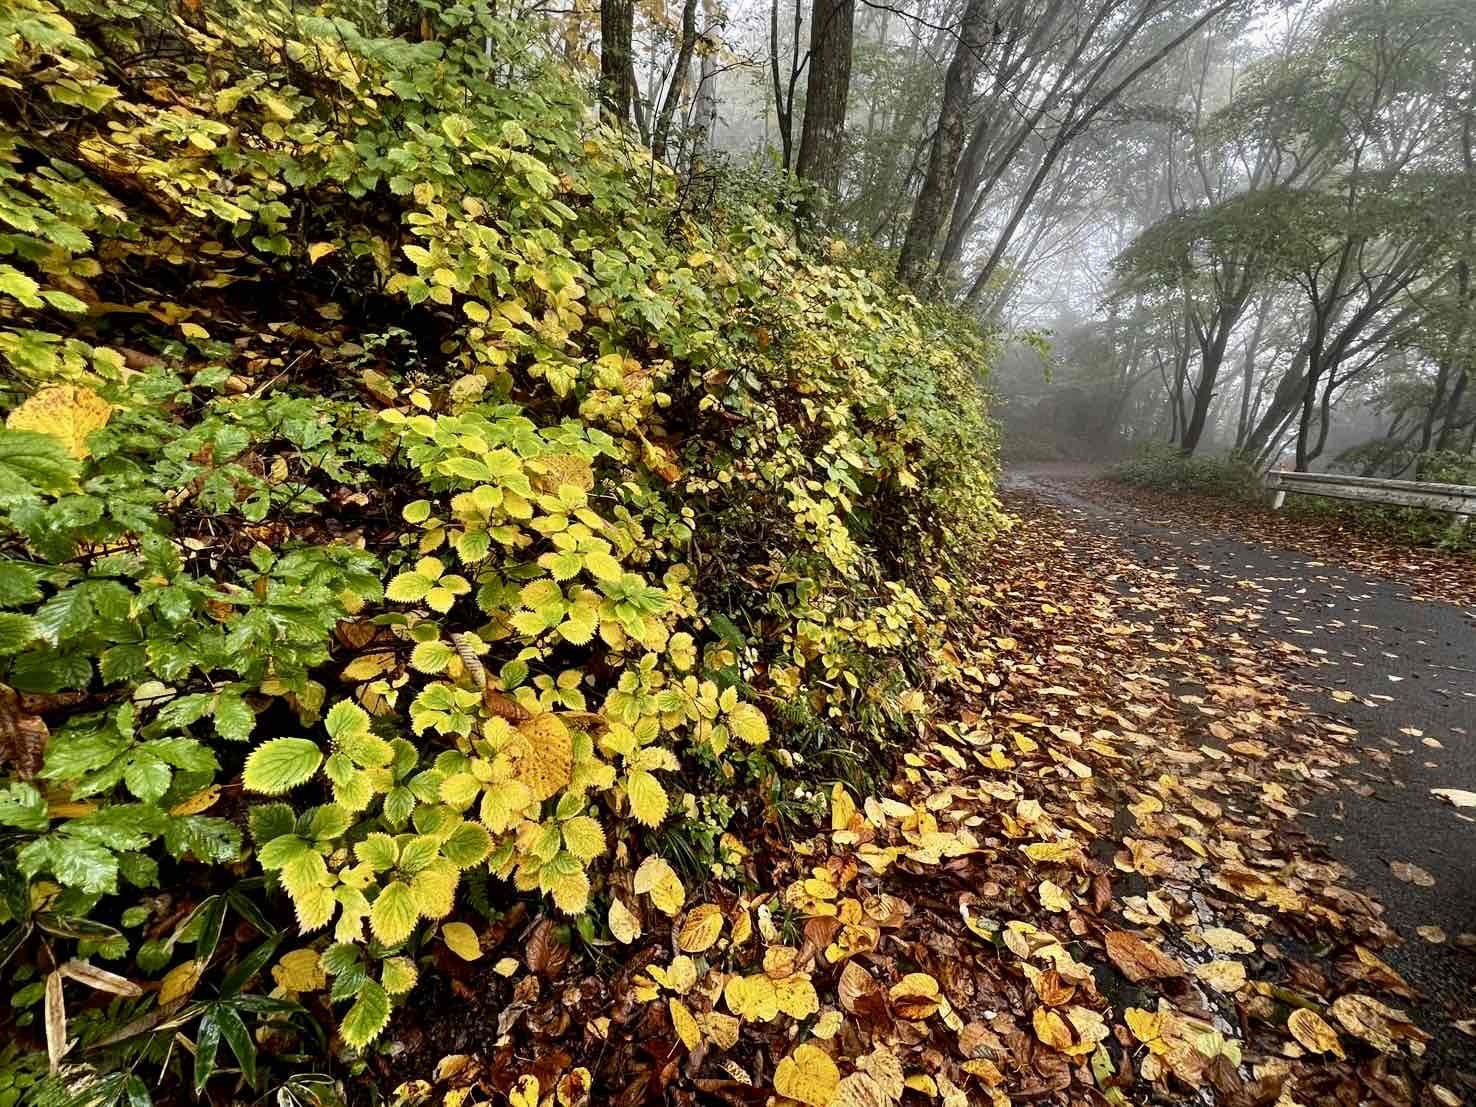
1227, 226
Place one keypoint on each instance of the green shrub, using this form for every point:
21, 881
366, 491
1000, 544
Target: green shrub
1165, 466
402, 488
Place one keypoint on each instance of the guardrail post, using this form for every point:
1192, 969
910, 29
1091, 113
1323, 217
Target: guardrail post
1278, 499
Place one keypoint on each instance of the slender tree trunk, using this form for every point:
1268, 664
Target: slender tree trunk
1252, 349
1211, 357
822, 140
1283, 404
661, 131
617, 64
707, 104
940, 183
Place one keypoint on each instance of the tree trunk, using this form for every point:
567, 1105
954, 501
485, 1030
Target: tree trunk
822, 141
707, 105
661, 131
1252, 349
617, 73
940, 184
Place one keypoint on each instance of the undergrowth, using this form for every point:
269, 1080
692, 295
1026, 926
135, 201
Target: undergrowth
412, 500
1164, 466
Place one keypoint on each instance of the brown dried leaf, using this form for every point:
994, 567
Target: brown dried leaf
23, 736
1137, 960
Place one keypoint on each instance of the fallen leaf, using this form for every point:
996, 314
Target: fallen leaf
623, 924
1137, 960
809, 1076
1222, 976
1312, 1031
1456, 797
700, 929
1412, 874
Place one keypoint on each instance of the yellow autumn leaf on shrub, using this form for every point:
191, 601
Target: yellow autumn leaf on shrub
647, 798
700, 929
67, 412
659, 880
749, 724
808, 1075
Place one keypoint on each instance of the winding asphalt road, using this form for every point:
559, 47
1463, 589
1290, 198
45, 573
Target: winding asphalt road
1411, 669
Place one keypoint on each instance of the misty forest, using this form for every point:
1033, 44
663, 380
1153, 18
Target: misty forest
737, 553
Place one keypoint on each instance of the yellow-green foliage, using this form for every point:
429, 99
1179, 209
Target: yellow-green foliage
384, 431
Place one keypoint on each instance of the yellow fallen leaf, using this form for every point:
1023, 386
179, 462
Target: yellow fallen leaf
625, 927
828, 1024
659, 880
685, 1025
299, 970
67, 412
1222, 939
203, 800
1314, 1034
700, 929
721, 1029
461, 940
1051, 1029
1222, 976
915, 996
1053, 897
180, 981
680, 976
809, 1076
842, 807
320, 250
796, 996
751, 998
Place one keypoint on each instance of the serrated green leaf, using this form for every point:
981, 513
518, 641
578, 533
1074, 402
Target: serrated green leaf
367, 1018
345, 720
281, 764
234, 719
378, 851
432, 657
408, 588
269, 821
467, 845
393, 914
418, 852
17, 632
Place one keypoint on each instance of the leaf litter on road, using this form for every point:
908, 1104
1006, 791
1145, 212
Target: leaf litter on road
1085, 882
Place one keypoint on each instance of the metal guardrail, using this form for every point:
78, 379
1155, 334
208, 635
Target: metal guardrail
1458, 499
